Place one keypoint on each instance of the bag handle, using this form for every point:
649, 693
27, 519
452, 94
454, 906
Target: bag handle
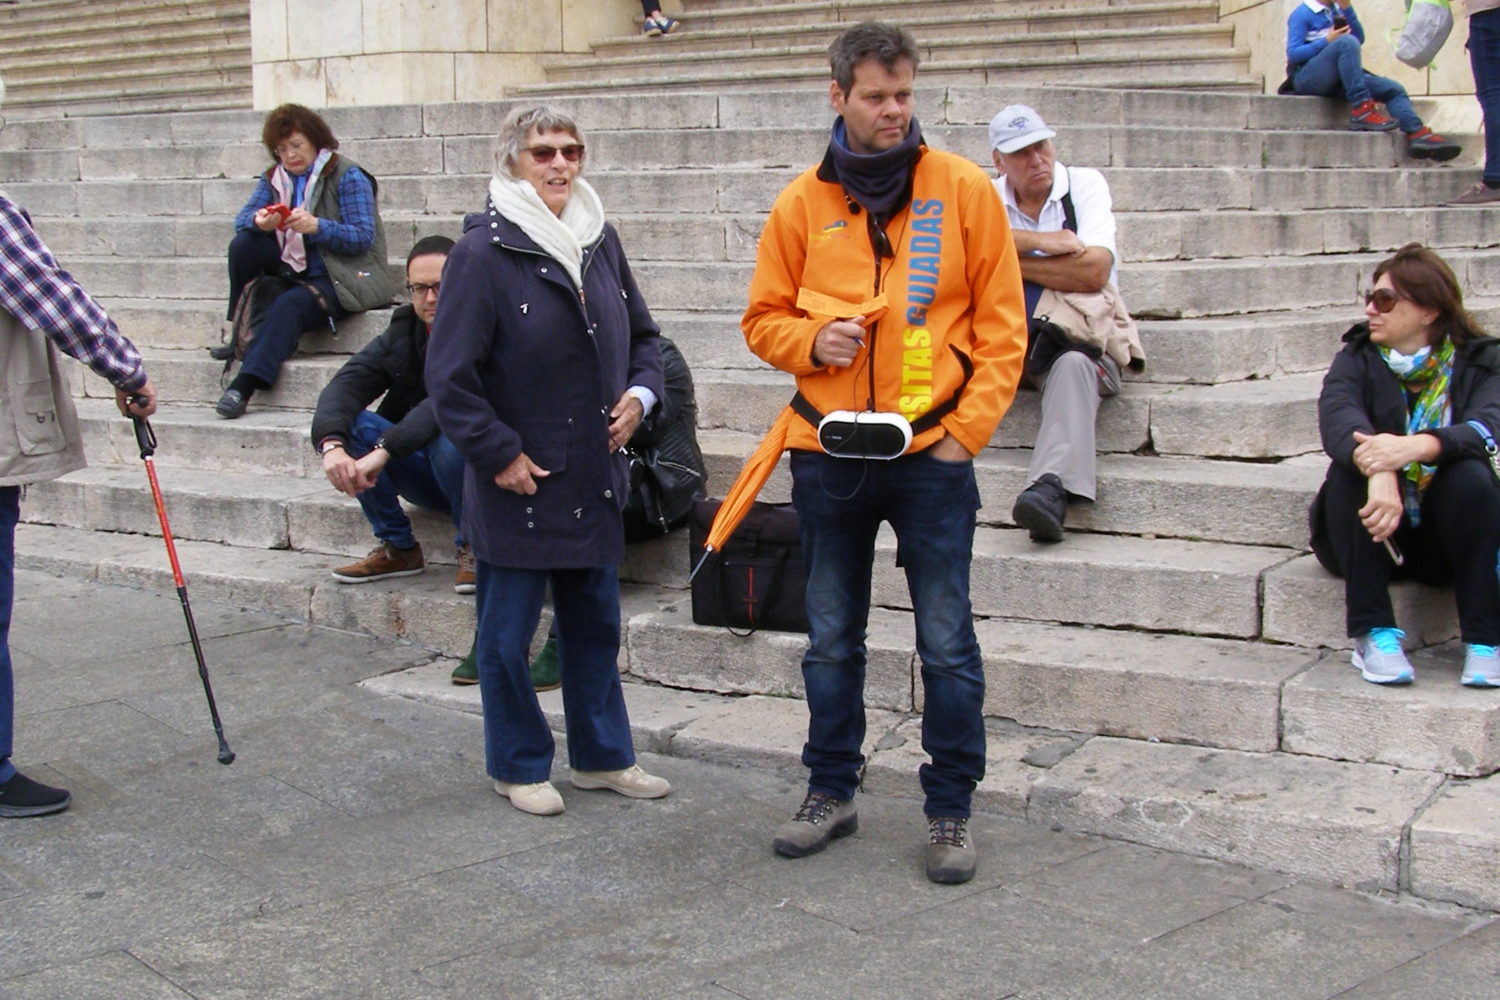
1489, 445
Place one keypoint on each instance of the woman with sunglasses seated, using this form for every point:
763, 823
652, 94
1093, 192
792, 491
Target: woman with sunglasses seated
543, 361
312, 219
1408, 414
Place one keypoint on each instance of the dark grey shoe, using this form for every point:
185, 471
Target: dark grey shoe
231, 405
1041, 509
20, 796
820, 819
950, 853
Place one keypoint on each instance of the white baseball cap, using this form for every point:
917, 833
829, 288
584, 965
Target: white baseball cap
1017, 127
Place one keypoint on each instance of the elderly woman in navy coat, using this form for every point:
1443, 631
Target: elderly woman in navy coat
543, 361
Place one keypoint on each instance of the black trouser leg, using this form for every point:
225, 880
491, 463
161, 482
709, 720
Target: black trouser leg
1362, 562
1461, 526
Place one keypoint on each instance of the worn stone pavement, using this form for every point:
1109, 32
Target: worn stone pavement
355, 850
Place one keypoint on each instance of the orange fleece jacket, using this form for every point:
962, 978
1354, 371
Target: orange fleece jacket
953, 284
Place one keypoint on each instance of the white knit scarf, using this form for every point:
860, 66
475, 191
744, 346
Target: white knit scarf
562, 237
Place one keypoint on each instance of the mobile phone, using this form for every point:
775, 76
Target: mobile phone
1340, 21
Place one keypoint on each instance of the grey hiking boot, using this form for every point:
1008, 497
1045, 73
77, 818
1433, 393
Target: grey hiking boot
950, 853
820, 819
1379, 658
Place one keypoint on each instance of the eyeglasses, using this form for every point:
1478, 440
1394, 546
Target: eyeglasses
1383, 299
421, 291
544, 154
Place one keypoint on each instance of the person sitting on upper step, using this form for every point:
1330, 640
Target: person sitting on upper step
1323, 39
380, 457
1408, 414
1064, 228
313, 219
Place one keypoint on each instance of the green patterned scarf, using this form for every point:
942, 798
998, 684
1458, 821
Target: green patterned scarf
1430, 409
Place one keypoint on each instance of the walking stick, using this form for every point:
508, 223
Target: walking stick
147, 442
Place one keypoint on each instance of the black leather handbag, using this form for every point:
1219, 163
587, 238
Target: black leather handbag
758, 580
667, 473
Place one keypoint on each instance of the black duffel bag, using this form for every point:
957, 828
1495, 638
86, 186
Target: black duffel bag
758, 580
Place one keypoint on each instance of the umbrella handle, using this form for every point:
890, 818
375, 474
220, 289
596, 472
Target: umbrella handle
145, 438
707, 551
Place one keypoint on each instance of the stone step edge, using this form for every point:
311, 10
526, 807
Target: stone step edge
1024, 779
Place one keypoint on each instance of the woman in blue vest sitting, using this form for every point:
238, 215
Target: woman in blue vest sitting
313, 220
1408, 414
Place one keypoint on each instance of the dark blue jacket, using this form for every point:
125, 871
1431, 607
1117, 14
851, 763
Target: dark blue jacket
518, 361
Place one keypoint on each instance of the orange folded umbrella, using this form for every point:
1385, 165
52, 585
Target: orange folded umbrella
747, 485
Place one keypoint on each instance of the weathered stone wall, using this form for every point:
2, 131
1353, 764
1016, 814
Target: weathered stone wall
347, 52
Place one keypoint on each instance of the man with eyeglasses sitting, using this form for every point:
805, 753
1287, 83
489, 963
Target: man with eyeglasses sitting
394, 452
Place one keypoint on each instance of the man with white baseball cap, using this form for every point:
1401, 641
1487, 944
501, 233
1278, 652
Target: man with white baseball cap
1063, 223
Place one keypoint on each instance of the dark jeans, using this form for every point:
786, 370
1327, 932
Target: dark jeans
1484, 60
430, 477
931, 505
10, 513
252, 254
1337, 71
518, 743
1456, 543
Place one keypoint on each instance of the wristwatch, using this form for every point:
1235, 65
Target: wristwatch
329, 445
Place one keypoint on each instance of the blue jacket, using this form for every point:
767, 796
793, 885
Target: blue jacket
1307, 32
518, 361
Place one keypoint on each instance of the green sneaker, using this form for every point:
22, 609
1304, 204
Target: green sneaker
544, 669
467, 671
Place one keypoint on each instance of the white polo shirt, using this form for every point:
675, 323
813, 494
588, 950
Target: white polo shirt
1091, 204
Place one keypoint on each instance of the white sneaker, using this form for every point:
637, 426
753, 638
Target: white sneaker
538, 798
631, 782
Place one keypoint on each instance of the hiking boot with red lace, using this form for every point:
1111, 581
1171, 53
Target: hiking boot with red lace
1425, 144
820, 818
951, 857
383, 563
1366, 116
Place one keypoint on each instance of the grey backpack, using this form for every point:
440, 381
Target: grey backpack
1428, 23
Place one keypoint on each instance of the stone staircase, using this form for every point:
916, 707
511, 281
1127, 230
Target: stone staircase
92, 57
759, 45
1169, 674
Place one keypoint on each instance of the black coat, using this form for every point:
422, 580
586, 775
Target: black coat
1361, 393
520, 360
393, 365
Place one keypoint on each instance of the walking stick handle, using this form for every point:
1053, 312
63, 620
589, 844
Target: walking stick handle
145, 438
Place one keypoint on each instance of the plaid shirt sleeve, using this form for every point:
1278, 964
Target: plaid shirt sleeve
47, 299
356, 233
264, 195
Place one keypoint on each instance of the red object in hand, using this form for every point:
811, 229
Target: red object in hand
281, 210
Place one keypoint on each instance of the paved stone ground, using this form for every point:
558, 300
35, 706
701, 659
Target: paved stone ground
356, 850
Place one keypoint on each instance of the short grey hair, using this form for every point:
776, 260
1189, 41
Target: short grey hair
518, 123
887, 44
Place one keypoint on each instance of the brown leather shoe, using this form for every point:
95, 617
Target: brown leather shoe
463, 581
383, 563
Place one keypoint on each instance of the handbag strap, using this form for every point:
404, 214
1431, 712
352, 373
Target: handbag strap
1489, 445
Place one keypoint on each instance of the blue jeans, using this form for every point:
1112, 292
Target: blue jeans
1484, 60
518, 744
10, 513
1338, 71
931, 504
295, 311
431, 477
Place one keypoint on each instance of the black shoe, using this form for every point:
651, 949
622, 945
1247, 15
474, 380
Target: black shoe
231, 405
20, 796
222, 352
951, 857
820, 819
1041, 509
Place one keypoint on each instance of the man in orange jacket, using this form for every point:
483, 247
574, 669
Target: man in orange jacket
887, 282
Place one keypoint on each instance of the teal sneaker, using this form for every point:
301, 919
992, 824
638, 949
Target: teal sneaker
1481, 666
1379, 658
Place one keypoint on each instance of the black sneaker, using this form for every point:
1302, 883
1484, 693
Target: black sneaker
1041, 509
950, 853
20, 796
820, 819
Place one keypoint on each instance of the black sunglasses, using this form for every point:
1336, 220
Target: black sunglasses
1383, 299
544, 154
